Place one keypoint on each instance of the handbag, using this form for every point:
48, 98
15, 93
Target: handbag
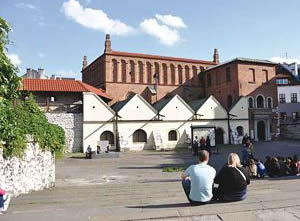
243, 175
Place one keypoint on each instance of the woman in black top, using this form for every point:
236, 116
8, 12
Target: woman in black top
233, 180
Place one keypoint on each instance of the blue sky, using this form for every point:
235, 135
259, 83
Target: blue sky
56, 34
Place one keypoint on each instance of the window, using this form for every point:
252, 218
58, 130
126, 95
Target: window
282, 115
266, 76
107, 135
250, 102
139, 136
229, 101
295, 115
260, 102
228, 74
293, 97
282, 81
208, 79
172, 135
252, 71
53, 99
270, 102
281, 98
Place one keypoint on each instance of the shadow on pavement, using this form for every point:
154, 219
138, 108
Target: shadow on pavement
173, 205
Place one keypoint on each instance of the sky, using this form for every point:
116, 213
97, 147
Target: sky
56, 34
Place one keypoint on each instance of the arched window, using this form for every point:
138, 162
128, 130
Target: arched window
124, 71
229, 101
172, 135
149, 72
141, 71
195, 78
180, 74
107, 135
240, 130
260, 102
132, 71
139, 136
270, 102
115, 70
173, 77
250, 102
165, 73
187, 73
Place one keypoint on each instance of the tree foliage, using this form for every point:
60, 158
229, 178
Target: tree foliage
17, 119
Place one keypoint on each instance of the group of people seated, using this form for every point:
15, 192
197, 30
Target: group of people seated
202, 144
232, 180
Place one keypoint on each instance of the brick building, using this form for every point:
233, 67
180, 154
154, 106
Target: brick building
122, 74
253, 78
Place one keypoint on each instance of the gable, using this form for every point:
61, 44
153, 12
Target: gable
240, 109
137, 109
176, 109
95, 109
212, 109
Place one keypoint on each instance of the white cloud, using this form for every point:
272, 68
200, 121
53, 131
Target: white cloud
25, 5
170, 20
165, 34
94, 18
66, 74
285, 60
14, 58
40, 54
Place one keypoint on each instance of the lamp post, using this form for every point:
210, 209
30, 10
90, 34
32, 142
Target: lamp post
117, 116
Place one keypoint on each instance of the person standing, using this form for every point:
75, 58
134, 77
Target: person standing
197, 180
202, 143
208, 146
195, 145
4, 201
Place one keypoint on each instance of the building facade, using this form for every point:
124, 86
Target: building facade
255, 79
122, 74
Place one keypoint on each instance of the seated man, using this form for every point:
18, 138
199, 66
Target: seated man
197, 180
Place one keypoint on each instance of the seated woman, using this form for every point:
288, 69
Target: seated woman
233, 180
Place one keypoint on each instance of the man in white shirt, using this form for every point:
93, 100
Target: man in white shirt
197, 180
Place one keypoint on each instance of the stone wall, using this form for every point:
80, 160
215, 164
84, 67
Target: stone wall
72, 125
291, 131
35, 171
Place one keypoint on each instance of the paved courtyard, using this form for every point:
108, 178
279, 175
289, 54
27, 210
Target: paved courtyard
132, 186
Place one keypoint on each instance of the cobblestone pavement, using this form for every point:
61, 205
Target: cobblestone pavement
133, 187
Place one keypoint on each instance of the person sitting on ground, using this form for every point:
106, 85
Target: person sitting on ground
197, 180
4, 201
274, 168
233, 180
268, 163
245, 156
295, 165
261, 169
288, 167
282, 165
252, 169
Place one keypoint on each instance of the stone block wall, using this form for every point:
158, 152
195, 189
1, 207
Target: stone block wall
72, 125
291, 131
34, 171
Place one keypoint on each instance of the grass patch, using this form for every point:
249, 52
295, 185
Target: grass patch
173, 169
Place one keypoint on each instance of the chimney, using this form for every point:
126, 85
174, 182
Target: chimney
84, 62
107, 44
216, 56
41, 73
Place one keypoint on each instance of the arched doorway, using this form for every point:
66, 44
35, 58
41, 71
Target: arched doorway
261, 131
219, 136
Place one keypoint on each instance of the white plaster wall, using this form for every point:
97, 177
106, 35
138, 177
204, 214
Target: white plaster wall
93, 131
212, 109
240, 109
35, 171
95, 109
137, 109
287, 90
176, 110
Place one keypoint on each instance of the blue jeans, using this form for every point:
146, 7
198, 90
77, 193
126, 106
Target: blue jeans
186, 184
1, 201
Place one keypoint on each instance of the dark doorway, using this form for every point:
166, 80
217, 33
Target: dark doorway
219, 136
260, 102
261, 131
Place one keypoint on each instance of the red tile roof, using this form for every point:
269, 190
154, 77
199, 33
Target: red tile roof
128, 54
60, 85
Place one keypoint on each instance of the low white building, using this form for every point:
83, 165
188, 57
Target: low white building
166, 125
